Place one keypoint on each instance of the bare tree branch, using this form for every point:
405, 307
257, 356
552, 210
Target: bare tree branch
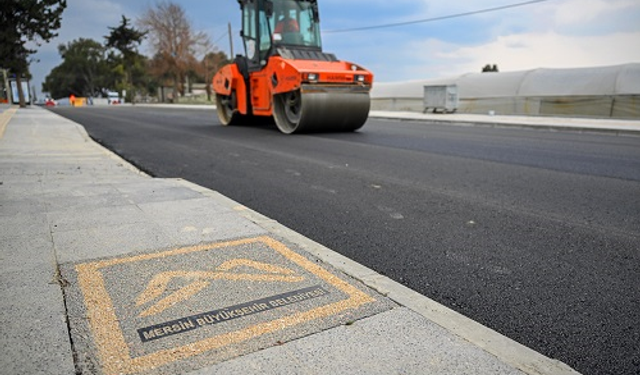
174, 42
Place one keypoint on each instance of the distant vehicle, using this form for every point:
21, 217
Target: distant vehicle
50, 102
113, 98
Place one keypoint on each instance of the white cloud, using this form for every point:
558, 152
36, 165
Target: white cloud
553, 34
550, 50
572, 12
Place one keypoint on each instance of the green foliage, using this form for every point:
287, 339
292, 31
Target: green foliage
90, 68
84, 70
490, 68
23, 21
125, 40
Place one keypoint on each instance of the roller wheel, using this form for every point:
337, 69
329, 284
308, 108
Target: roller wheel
227, 108
288, 111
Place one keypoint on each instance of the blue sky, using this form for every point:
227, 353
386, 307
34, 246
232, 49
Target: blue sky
551, 34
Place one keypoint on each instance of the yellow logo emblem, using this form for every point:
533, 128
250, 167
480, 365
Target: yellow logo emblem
202, 279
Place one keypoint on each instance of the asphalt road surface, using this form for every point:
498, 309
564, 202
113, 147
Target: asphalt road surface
533, 233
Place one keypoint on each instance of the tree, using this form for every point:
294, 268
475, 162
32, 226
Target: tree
490, 69
158, 68
174, 42
125, 40
26, 21
84, 70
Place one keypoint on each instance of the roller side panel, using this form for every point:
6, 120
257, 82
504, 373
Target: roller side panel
229, 80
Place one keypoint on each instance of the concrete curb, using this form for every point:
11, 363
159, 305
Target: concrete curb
617, 127
502, 347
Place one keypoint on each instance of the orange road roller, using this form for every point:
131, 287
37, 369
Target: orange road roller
284, 74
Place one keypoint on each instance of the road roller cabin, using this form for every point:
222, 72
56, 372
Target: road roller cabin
284, 74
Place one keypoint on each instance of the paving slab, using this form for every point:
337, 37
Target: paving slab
147, 192
108, 241
189, 307
27, 253
34, 335
392, 342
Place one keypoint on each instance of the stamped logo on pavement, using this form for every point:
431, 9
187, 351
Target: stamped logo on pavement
190, 307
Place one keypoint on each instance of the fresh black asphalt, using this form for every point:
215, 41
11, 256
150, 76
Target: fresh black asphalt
534, 233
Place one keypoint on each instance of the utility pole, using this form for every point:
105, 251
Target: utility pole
231, 42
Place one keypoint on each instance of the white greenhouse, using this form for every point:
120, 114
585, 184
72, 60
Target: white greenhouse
607, 92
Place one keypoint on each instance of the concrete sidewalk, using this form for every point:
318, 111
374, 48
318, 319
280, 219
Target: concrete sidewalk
106, 270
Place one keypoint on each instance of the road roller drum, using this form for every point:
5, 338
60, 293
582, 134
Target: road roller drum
312, 110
